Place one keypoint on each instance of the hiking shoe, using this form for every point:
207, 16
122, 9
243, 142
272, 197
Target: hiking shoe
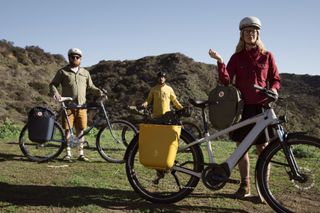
67, 158
83, 158
160, 175
243, 191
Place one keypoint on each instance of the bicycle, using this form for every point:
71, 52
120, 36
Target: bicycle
192, 128
286, 175
111, 141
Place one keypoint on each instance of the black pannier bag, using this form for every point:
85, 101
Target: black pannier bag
225, 106
40, 124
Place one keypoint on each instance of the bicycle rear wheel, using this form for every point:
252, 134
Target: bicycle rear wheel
283, 193
165, 186
112, 143
41, 152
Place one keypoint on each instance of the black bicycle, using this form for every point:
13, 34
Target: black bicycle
111, 141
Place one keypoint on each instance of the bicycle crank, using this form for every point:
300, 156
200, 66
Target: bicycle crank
215, 176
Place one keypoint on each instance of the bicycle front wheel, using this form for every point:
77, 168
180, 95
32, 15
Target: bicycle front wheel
274, 177
193, 129
165, 186
112, 141
41, 152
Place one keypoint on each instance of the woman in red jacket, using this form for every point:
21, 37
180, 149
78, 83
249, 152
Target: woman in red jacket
250, 64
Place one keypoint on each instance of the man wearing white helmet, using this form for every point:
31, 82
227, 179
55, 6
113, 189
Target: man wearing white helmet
74, 81
250, 64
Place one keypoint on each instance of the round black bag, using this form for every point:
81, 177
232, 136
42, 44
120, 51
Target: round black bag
225, 106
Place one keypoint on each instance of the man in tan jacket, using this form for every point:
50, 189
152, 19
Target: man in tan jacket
74, 81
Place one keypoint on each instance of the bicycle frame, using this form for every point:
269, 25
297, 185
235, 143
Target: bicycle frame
261, 121
87, 130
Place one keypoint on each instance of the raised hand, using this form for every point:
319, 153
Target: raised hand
215, 55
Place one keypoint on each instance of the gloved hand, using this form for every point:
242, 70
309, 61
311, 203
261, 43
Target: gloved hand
57, 97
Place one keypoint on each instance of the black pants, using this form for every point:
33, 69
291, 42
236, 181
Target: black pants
250, 110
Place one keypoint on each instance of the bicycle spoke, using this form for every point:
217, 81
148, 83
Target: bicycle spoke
282, 190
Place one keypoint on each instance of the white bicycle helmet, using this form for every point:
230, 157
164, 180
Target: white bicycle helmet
75, 51
250, 21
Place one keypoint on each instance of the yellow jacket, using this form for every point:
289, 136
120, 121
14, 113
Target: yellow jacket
161, 96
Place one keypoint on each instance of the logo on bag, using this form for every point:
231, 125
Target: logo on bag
221, 94
155, 153
39, 114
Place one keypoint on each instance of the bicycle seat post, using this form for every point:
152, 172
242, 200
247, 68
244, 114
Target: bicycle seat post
205, 121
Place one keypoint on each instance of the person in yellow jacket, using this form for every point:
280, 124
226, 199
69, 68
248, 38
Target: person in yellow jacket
161, 96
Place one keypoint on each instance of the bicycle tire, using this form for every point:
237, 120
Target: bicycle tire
175, 185
192, 128
112, 147
42, 152
280, 191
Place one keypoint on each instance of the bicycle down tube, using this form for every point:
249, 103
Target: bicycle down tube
261, 121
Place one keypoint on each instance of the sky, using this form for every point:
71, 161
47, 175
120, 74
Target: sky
133, 29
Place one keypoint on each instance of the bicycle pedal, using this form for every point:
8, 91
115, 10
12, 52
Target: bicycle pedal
233, 181
73, 145
86, 144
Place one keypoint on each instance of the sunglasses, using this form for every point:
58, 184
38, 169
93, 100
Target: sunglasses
249, 31
74, 57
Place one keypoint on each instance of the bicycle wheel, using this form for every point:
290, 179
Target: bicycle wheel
112, 143
41, 152
285, 194
165, 186
193, 129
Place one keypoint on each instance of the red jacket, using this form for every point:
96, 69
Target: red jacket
249, 68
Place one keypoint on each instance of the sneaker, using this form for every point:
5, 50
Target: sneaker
83, 158
67, 158
243, 191
160, 175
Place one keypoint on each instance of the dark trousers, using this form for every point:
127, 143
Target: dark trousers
250, 110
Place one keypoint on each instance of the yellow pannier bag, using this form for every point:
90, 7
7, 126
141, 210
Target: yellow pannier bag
158, 145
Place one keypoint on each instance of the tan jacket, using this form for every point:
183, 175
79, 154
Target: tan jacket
73, 84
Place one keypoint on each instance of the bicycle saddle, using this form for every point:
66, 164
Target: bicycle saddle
198, 103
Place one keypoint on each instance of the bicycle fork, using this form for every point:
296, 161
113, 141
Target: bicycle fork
294, 169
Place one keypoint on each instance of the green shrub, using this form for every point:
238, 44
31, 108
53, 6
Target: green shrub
8, 129
301, 153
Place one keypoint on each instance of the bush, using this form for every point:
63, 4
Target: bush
8, 129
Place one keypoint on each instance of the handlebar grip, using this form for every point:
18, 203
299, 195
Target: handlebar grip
266, 91
63, 99
259, 87
104, 91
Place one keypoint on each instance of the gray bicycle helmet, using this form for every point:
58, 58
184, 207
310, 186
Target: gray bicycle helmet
250, 21
75, 51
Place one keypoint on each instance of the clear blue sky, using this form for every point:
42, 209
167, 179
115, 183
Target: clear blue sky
132, 29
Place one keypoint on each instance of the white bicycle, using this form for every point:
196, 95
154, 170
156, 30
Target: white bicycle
287, 172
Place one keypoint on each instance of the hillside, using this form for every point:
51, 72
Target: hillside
26, 72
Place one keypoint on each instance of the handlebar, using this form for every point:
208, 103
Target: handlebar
140, 110
63, 99
272, 95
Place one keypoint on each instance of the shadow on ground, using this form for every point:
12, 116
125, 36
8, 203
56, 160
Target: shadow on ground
73, 197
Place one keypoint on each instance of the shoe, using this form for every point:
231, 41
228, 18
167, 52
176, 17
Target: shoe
67, 158
160, 175
243, 191
83, 158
